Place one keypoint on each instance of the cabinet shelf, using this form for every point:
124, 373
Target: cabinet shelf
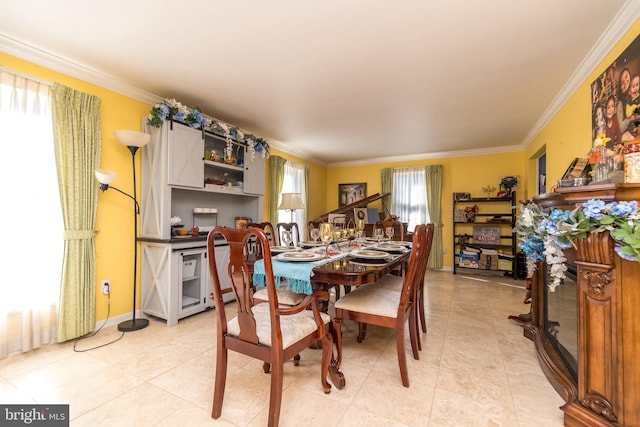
223, 165
187, 301
493, 207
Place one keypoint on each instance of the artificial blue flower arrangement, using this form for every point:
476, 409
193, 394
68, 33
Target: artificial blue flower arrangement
170, 109
545, 233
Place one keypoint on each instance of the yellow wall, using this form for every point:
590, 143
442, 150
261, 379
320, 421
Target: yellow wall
568, 135
114, 243
459, 174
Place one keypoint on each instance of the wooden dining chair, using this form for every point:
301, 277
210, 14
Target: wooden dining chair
285, 296
398, 228
377, 305
266, 330
291, 227
269, 229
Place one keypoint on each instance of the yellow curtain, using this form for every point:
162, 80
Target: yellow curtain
276, 177
386, 177
77, 141
433, 176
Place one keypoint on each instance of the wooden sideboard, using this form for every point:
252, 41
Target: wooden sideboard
605, 390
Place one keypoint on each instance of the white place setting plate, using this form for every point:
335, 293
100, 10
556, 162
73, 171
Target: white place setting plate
388, 247
310, 244
369, 254
299, 256
280, 249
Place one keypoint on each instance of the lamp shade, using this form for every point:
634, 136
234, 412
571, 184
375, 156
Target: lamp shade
291, 201
131, 138
105, 176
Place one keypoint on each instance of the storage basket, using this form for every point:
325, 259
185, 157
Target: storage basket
189, 268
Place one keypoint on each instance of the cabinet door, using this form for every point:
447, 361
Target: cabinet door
253, 174
185, 157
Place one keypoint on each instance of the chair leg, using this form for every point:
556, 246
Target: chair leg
362, 331
296, 360
266, 367
327, 351
337, 327
221, 380
414, 336
402, 357
275, 400
423, 321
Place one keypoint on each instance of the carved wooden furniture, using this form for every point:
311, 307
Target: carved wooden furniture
605, 389
265, 331
269, 230
289, 227
398, 228
379, 305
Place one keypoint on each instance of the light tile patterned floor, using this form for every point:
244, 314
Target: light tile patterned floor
476, 369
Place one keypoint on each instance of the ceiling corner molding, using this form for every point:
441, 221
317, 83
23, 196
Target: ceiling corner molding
626, 17
71, 68
294, 151
427, 156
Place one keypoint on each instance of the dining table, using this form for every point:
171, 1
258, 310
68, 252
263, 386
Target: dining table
346, 264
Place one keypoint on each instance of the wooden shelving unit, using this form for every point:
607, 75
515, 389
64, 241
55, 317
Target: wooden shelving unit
488, 208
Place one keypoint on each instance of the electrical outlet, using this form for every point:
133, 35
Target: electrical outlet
106, 287
444, 250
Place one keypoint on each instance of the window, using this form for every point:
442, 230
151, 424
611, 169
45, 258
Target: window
294, 176
409, 196
31, 216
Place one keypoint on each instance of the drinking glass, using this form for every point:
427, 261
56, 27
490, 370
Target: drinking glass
360, 225
326, 236
360, 238
378, 232
389, 232
315, 234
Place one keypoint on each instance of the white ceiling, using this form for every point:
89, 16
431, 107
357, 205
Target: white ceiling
336, 81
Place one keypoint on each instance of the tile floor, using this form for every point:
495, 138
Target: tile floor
476, 369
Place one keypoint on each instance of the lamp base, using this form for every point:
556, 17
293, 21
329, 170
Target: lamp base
133, 325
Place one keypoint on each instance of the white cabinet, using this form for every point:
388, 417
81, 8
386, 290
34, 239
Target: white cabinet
253, 174
185, 160
176, 280
174, 172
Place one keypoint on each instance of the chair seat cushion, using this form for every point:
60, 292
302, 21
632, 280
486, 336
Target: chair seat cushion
391, 282
371, 299
293, 327
285, 296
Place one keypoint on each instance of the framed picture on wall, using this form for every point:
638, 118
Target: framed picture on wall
351, 193
361, 213
615, 95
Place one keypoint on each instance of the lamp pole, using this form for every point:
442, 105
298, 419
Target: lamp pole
134, 324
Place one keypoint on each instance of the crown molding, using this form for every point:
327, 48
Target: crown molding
626, 17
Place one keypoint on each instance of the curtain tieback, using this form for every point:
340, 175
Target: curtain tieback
79, 234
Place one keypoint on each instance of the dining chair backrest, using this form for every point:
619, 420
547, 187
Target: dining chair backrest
261, 329
419, 254
270, 231
398, 228
291, 227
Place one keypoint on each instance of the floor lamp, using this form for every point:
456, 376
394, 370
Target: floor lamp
133, 140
